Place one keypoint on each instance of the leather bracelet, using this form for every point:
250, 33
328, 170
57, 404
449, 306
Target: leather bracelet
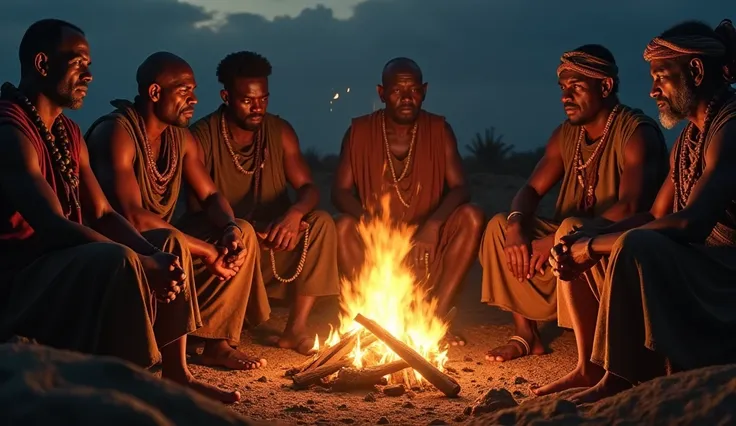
232, 225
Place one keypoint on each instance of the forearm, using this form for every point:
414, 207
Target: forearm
345, 202
307, 198
59, 232
630, 222
143, 221
218, 210
525, 204
452, 200
115, 227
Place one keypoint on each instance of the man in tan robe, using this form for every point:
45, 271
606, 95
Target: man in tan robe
99, 286
253, 157
609, 160
410, 155
666, 302
142, 153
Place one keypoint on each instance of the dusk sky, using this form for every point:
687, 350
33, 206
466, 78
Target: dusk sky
488, 62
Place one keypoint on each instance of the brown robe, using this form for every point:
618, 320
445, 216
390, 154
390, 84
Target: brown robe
82, 297
318, 276
538, 298
673, 298
423, 187
223, 304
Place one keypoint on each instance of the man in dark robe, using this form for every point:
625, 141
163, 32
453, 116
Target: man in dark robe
609, 160
253, 157
100, 288
142, 153
411, 156
666, 302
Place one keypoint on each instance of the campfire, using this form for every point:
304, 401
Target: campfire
389, 332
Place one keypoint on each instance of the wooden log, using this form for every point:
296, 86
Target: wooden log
307, 378
351, 378
440, 380
339, 351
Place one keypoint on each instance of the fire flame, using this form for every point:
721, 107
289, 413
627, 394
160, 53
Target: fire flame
387, 291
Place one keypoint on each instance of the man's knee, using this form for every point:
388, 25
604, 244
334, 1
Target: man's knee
346, 227
568, 226
497, 224
249, 233
169, 240
471, 216
111, 256
322, 222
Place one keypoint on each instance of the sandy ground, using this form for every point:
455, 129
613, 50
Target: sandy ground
272, 399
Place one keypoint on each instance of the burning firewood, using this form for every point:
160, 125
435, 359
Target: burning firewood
351, 378
440, 380
306, 378
334, 353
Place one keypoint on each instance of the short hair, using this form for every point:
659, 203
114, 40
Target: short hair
600, 51
242, 65
403, 64
153, 67
42, 36
714, 66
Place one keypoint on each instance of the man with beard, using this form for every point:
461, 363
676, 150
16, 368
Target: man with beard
666, 301
142, 153
253, 157
609, 160
66, 283
409, 155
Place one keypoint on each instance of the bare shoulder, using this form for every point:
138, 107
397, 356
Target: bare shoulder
722, 145
112, 134
289, 137
16, 150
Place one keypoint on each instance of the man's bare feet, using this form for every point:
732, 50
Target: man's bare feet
516, 347
300, 343
210, 391
231, 359
453, 338
578, 378
609, 385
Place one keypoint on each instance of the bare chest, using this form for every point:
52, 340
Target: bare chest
399, 145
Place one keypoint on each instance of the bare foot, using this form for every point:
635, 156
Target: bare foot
300, 343
516, 347
609, 385
574, 379
231, 359
210, 391
454, 339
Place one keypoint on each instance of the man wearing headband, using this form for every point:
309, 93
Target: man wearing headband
609, 160
666, 301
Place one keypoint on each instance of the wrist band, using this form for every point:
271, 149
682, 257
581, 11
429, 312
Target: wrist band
513, 214
588, 248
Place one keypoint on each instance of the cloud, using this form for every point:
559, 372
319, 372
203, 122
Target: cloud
488, 63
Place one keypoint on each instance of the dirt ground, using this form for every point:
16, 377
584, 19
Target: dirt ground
267, 395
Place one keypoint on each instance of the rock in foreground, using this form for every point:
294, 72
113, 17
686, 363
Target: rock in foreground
700, 397
40, 385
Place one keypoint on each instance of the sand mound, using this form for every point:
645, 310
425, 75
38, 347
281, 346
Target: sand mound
40, 385
699, 397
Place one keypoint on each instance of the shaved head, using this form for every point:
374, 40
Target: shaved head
401, 66
159, 68
167, 81
402, 90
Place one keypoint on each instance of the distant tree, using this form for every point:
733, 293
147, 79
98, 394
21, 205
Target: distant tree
489, 152
313, 158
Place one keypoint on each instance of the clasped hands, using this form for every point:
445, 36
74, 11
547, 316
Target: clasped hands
228, 255
572, 255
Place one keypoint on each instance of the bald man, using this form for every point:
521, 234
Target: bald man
411, 156
142, 152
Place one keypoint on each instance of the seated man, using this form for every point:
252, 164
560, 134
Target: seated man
65, 284
666, 301
411, 155
253, 157
142, 152
609, 160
